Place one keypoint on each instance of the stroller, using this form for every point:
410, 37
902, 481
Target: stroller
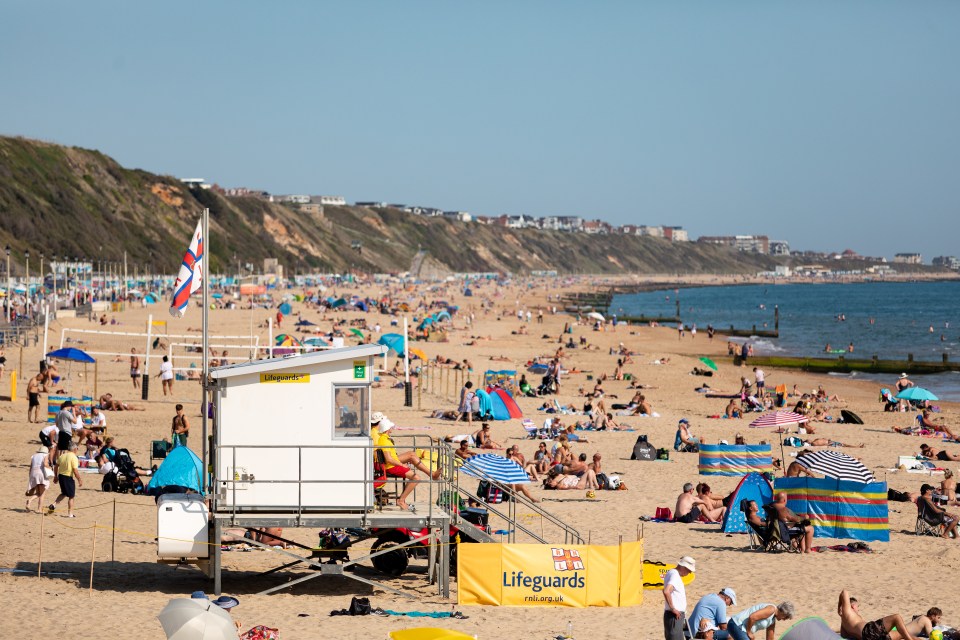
123, 477
547, 386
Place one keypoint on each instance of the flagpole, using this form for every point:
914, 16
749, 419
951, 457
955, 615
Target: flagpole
206, 351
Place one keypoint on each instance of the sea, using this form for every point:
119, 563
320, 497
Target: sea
886, 319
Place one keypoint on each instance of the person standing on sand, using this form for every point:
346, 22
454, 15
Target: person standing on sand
180, 430
135, 368
675, 597
33, 395
466, 403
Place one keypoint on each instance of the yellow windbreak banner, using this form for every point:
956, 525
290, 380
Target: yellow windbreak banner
529, 575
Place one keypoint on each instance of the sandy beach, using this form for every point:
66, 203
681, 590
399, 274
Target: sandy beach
908, 575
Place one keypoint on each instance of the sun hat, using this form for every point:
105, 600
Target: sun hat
376, 417
226, 602
730, 593
688, 563
684, 421
385, 425
43, 449
903, 375
199, 595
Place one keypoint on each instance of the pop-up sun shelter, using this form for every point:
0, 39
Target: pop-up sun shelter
181, 470
753, 486
503, 406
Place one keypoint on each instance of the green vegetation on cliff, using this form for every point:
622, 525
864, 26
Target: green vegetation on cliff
73, 202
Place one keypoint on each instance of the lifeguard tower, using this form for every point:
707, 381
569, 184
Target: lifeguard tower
290, 447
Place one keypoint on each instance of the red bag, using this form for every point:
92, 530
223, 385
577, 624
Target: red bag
663, 513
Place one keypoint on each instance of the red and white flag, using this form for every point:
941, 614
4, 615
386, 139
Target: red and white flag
191, 273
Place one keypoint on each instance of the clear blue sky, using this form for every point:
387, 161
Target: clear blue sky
827, 124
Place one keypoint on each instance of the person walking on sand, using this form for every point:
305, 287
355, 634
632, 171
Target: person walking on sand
68, 477
39, 479
675, 597
166, 375
135, 368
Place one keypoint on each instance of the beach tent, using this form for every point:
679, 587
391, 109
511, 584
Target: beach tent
734, 459
360, 304
443, 315
150, 298
181, 469
810, 629
753, 486
839, 508
538, 368
485, 403
504, 406
339, 302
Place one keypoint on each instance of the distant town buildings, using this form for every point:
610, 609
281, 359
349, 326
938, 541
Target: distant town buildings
908, 258
748, 244
948, 262
195, 183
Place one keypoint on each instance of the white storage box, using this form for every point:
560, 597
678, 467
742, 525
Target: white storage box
182, 526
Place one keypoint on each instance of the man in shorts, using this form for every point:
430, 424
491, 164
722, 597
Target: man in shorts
135, 368
66, 421
33, 394
68, 477
394, 463
852, 624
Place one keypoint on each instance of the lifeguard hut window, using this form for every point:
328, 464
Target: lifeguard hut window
350, 415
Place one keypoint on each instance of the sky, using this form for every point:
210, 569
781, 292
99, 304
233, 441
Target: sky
830, 125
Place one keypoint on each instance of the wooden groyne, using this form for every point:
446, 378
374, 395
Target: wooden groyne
844, 364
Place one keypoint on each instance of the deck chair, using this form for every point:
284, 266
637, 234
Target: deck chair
775, 536
929, 522
752, 531
380, 495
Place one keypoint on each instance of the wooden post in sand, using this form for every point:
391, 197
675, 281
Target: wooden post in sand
419, 390
93, 556
40, 554
113, 538
20, 368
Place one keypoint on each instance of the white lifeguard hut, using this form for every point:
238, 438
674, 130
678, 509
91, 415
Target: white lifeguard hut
286, 433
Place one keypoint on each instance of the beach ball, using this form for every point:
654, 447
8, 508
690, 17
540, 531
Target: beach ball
936, 634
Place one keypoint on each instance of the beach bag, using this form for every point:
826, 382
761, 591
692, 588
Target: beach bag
261, 632
643, 450
48, 473
614, 483
793, 441
663, 454
663, 513
489, 493
603, 481
360, 607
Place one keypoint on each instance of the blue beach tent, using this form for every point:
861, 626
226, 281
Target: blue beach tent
753, 486
181, 468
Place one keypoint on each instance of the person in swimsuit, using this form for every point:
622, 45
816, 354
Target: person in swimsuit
180, 429
938, 454
135, 368
33, 394
852, 624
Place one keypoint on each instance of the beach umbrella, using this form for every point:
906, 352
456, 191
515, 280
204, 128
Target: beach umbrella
916, 393
285, 309
392, 341
316, 342
196, 619
303, 322
71, 354
418, 352
357, 332
596, 316
834, 464
710, 363
779, 419
429, 633
490, 466
286, 340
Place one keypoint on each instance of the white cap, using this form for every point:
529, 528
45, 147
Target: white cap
376, 417
730, 593
386, 425
688, 563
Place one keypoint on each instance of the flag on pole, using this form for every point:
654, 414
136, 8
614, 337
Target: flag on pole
191, 274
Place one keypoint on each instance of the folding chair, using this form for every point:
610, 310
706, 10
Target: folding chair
929, 523
751, 531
